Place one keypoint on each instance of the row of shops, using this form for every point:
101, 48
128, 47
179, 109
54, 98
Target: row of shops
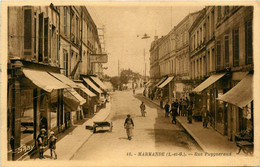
39, 96
228, 96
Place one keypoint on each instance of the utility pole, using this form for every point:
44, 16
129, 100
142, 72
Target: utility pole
144, 66
118, 68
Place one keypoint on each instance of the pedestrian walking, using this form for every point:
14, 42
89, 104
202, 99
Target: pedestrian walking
205, 116
142, 107
184, 107
134, 91
167, 109
42, 142
189, 114
129, 126
174, 114
52, 144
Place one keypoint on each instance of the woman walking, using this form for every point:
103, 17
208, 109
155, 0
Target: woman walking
129, 126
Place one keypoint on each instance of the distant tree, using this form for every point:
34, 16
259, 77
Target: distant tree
115, 81
127, 75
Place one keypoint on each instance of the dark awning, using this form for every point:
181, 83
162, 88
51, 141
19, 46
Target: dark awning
212, 79
241, 94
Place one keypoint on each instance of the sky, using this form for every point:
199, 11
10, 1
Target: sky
125, 26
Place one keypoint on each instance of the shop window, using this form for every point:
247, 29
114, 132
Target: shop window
235, 36
27, 117
54, 108
248, 42
220, 108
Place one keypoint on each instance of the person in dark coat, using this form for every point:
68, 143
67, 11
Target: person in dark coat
180, 108
205, 116
41, 139
174, 114
184, 107
189, 110
52, 144
167, 109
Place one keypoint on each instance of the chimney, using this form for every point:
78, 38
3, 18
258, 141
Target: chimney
155, 37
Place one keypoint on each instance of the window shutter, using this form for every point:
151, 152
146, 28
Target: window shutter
248, 42
40, 43
46, 39
235, 48
226, 51
28, 33
218, 55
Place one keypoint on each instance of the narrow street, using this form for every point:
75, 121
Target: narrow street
153, 133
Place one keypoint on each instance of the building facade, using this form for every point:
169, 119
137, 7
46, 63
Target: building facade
45, 42
212, 57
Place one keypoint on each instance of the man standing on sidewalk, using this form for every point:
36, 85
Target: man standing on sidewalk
142, 107
205, 116
180, 108
167, 109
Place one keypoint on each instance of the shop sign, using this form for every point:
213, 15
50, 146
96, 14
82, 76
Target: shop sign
98, 58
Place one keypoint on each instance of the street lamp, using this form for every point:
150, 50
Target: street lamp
145, 36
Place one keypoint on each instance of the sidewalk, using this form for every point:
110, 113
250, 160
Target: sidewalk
70, 144
207, 138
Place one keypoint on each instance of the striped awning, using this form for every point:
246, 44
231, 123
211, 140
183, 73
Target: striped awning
92, 85
212, 79
241, 94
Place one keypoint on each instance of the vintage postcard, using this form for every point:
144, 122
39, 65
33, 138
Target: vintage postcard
137, 83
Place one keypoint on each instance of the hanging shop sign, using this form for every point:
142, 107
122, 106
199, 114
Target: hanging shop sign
98, 58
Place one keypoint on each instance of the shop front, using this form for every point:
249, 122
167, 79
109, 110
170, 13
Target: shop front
205, 94
240, 109
31, 108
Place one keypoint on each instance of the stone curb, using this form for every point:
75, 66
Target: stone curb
88, 137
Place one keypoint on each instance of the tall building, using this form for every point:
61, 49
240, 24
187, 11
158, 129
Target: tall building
50, 47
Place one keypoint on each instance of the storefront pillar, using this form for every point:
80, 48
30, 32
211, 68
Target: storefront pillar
170, 92
36, 113
16, 113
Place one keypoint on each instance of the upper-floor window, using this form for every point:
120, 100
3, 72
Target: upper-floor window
248, 42
28, 31
219, 13
218, 57
65, 20
226, 51
235, 40
226, 11
212, 23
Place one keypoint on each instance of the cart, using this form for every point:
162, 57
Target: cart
102, 125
